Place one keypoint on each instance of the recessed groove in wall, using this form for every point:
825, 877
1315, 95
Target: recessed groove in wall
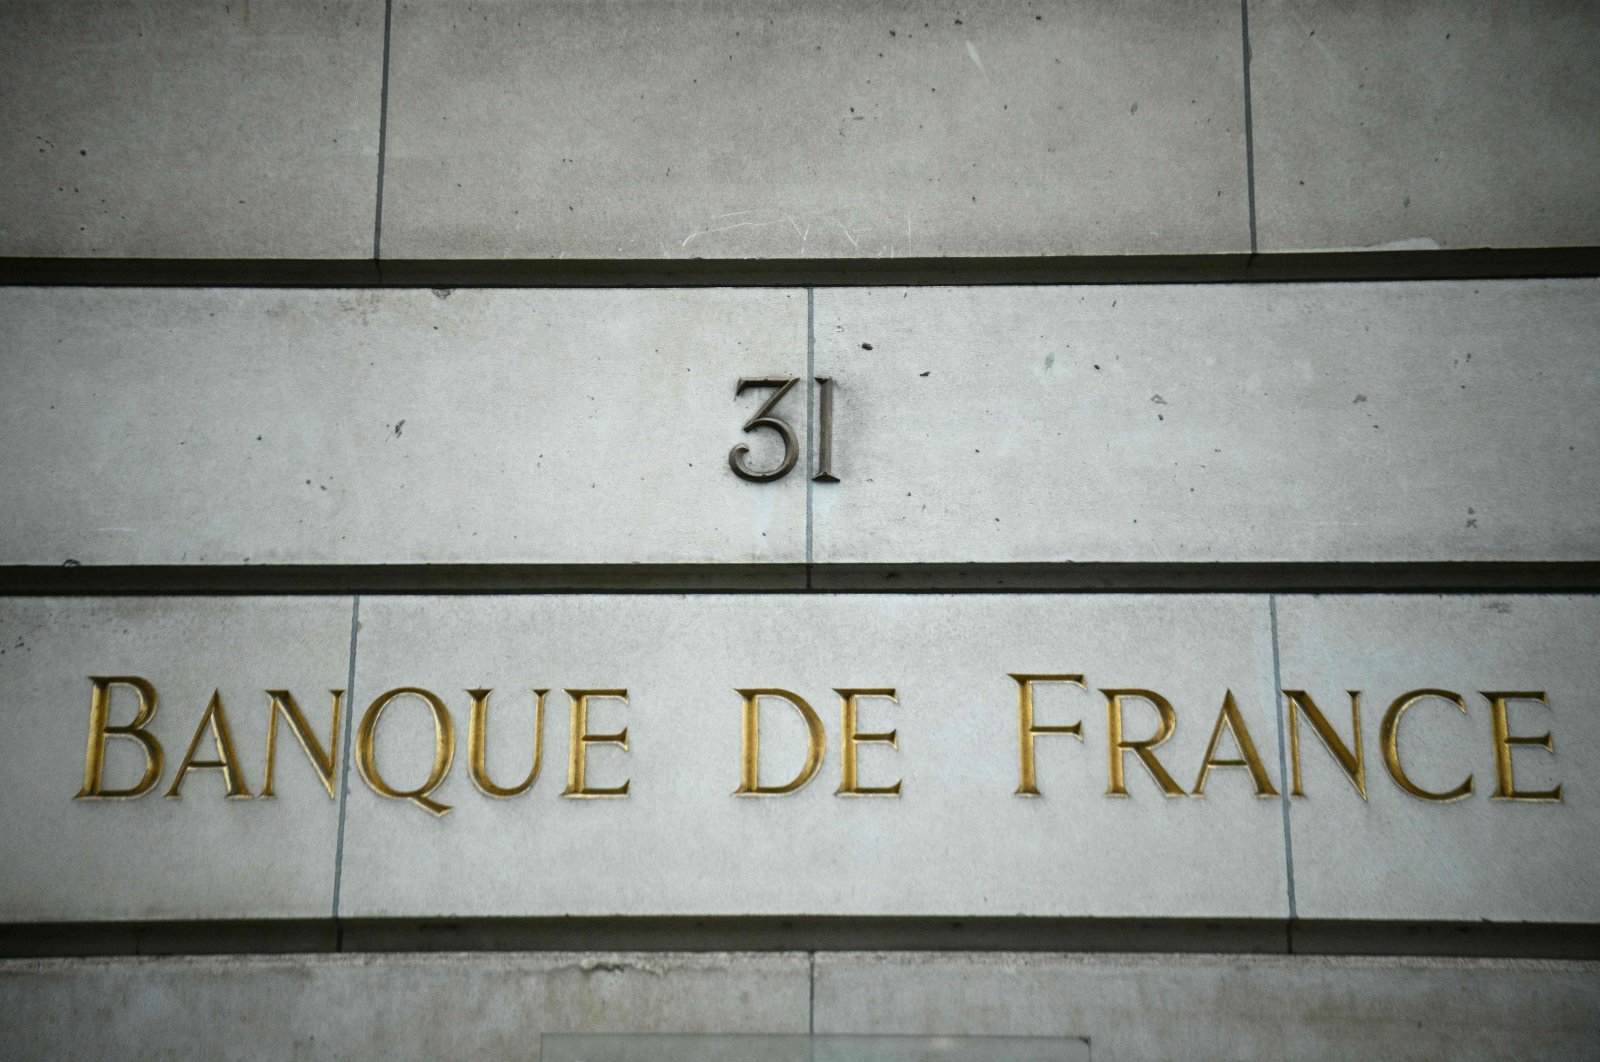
1228, 936
1484, 264
1485, 577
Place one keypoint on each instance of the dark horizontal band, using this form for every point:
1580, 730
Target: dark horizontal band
1335, 577
1481, 263
1240, 936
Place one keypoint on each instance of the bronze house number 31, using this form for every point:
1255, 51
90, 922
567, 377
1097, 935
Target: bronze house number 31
765, 418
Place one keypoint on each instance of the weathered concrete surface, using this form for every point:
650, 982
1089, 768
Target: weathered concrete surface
384, 1006
198, 856
1224, 1007
738, 129
1430, 123
206, 427
956, 842
1397, 856
189, 129
1311, 422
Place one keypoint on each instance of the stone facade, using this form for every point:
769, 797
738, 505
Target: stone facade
1069, 521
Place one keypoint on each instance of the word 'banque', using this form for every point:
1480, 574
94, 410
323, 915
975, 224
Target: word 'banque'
1119, 746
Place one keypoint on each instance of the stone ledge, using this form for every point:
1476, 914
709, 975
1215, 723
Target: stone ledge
1252, 937
1176, 577
1486, 263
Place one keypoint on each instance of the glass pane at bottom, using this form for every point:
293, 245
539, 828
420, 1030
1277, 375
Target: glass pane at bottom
778, 1048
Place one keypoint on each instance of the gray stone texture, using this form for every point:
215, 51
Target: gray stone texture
1425, 124
385, 1006
723, 129
1224, 1007
1437, 421
1398, 857
184, 129
1433, 421
496, 1006
198, 856
218, 426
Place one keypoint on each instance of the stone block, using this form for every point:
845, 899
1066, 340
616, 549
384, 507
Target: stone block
156, 857
1223, 1007
1437, 421
235, 427
723, 129
1479, 857
1425, 125
189, 129
956, 842
390, 1006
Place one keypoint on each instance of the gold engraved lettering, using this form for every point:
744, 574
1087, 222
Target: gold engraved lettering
577, 761
478, 745
1118, 748
1029, 786
1349, 762
283, 703
444, 749
1229, 717
750, 745
227, 761
849, 785
101, 730
1389, 741
1505, 783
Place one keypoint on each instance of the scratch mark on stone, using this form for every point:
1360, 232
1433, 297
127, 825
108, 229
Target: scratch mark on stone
726, 228
846, 232
972, 50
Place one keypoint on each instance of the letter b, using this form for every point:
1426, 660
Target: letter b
101, 730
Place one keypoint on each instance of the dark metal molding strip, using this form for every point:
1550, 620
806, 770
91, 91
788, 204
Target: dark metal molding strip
1480, 263
1399, 577
1237, 936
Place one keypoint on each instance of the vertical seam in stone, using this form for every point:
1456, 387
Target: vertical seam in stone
383, 135
344, 774
811, 1004
1283, 770
811, 397
1249, 125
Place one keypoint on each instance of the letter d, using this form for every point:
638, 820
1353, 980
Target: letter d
750, 766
